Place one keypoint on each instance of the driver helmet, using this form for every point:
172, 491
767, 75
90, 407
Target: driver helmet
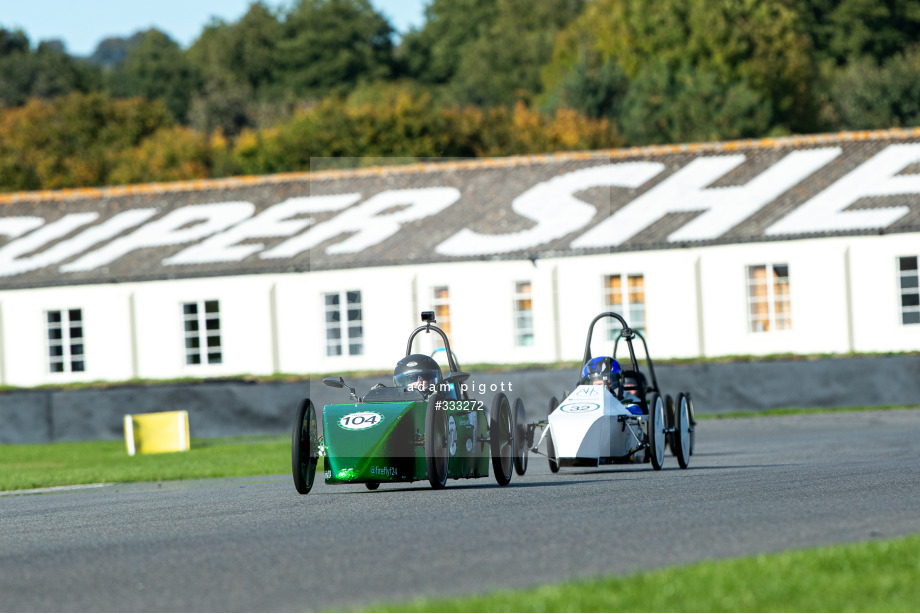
417, 372
601, 369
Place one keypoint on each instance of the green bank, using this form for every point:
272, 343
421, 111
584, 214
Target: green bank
879, 576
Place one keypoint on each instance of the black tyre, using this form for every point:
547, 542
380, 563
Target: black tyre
520, 437
436, 445
304, 454
669, 421
550, 448
692, 422
682, 432
656, 429
501, 439
372, 485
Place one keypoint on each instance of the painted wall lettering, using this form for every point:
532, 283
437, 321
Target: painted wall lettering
722, 208
552, 204
878, 176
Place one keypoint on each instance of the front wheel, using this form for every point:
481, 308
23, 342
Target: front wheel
501, 439
436, 453
656, 430
304, 456
520, 437
550, 448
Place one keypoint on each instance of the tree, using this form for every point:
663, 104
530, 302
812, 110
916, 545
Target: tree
866, 95
331, 45
503, 64
70, 141
432, 53
844, 30
244, 53
593, 92
45, 73
758, 42
690, 105
157, 69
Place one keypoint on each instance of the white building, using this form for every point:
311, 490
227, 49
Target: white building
800, 246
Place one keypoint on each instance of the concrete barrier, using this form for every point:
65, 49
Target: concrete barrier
227, 408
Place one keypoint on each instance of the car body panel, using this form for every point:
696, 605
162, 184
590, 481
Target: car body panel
591, 427
384, 442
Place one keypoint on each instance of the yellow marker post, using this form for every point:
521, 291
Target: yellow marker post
165, 431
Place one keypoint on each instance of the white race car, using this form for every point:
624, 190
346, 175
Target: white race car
592, 426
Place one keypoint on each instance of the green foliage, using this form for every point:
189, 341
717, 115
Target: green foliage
157, 69
244, 54
71, 141
690, 105
432, 54
45, 73
503, 64
594, 92
329, 46
865, 95
844, 30
878, 576
760, 44
322, 79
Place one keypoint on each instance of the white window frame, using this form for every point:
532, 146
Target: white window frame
69, 361
905, 310
626, 309
771, 298
347, 344
441, 305
206, 353
523, 333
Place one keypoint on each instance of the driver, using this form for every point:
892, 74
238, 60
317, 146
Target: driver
602, 370
417, 372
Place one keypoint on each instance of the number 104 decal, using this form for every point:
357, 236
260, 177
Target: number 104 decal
361, 420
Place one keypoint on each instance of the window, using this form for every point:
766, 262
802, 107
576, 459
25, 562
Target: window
523, 314
201, 322
66, 352
910, 294
769, 307
344, 332
442, 308
629, 303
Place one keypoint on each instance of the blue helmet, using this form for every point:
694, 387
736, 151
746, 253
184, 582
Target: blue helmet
602, 367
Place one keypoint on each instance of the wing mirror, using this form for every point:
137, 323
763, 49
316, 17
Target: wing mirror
338, 382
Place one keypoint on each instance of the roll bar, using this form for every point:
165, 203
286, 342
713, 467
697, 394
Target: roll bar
428, 327
628, 334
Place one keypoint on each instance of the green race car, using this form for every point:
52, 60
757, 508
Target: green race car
423, 427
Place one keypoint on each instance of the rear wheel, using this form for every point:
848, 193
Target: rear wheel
550, 448
501, 439
436, 453
520, 437
304, 454
682, 432
372, 485
692, 422
656, 429
669, 421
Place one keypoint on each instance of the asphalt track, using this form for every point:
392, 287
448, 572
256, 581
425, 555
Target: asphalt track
754, 485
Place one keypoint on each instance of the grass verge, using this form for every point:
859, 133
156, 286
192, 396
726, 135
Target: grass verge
790, 411
878, 576
28, 466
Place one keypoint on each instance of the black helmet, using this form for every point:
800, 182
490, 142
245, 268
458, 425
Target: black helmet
415, 367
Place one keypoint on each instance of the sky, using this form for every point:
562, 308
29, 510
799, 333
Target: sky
83, 24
